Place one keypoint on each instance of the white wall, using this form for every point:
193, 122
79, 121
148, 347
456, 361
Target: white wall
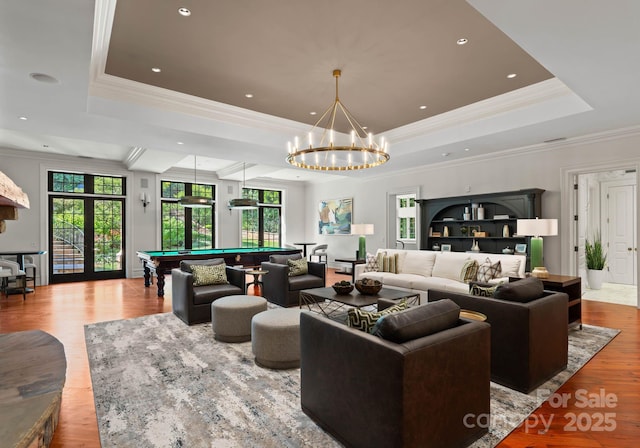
29, 171
542, 167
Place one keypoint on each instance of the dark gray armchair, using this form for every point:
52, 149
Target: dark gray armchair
279, 288
193, 304
412, 387
529, 336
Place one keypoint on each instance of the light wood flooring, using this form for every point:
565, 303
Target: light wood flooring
63, 310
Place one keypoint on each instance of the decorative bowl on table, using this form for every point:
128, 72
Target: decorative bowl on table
368, 286
343, 287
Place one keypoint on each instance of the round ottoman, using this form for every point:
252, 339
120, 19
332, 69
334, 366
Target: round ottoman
231, 317
275, 338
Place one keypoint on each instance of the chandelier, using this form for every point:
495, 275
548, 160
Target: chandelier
195, 201
337, 151
241, 202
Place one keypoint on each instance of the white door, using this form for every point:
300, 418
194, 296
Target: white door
620, 209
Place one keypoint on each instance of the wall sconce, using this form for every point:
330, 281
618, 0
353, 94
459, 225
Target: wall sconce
145, 199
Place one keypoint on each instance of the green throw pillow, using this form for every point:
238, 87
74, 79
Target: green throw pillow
298, 267
482, 291
366, 320
209, 275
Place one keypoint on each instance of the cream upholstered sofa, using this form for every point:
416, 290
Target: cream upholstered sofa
421, 270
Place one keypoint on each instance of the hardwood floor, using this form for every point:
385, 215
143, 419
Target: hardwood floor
63, 310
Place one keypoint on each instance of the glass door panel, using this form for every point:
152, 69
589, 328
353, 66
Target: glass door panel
86, 239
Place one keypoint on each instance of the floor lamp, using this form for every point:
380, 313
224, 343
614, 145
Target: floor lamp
362, 230
536, 229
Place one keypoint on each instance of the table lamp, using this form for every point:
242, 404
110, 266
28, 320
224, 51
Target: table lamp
536, 229
362, 230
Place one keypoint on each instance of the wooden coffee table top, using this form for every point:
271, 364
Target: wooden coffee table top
354, 298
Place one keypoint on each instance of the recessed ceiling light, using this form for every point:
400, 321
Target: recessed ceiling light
462, 41
466, 149
23, 118
512, 75
313, 113
423, 107
445, 154
184, 12
156, 69
180, 143
364, 127
43, 77
249, 95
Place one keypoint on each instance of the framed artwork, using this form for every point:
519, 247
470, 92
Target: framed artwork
445, 248
334, 216
521, 248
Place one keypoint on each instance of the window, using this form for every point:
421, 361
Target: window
186, 228
262, 227
406, 216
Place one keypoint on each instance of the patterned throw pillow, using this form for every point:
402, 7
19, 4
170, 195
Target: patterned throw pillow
488, 271
482, 291
366, 320
469, 272
209, 275
298, 267
372, 264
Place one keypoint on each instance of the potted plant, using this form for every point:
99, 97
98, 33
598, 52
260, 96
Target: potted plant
596, 259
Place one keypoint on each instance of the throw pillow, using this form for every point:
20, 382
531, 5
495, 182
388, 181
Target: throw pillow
372, 264
482, 291
523, 291
418, 322
366, 320
298, 267
209, 275
469, 271
488, 271
388, 263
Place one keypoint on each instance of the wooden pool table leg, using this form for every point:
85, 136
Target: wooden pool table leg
160, 275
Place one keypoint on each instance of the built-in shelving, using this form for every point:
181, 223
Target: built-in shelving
436, 214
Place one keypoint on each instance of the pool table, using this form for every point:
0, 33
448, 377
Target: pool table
161, 262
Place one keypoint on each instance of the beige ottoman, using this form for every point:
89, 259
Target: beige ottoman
231, 317
275, 338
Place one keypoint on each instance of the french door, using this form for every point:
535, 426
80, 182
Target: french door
85, 238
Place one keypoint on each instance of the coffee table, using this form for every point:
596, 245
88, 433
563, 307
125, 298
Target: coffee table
330, 303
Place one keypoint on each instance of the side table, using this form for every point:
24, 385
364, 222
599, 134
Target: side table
573, 287
570, 285
354, 262
256, 278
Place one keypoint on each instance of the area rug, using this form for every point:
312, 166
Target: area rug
160, 383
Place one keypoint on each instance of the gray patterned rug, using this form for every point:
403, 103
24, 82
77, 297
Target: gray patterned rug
160, 383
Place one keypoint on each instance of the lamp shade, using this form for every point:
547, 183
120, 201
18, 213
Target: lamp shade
537, 227
362, 229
